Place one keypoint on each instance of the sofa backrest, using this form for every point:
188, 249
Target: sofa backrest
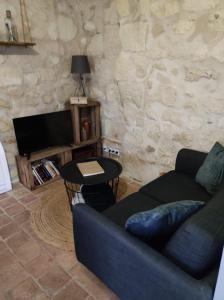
197, 244
189, 161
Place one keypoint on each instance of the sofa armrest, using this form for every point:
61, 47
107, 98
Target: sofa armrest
128, 266
189, 161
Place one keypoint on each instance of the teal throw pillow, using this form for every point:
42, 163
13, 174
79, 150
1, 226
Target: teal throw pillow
211, 173
161, 221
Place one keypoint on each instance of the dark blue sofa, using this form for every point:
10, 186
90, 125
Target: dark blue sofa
135, 270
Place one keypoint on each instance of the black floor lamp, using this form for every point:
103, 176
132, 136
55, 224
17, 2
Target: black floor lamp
80, 66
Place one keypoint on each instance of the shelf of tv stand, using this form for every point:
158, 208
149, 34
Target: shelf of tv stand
57, 150
47, 153
64, 153
47, 182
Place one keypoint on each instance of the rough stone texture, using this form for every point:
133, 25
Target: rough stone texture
157, 68
36, 80
159, 78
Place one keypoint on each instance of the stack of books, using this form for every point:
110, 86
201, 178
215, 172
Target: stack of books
43, 171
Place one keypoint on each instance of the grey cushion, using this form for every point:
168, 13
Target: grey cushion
211, 173
197, 244
175, 186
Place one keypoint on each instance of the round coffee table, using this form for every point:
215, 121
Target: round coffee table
99, 191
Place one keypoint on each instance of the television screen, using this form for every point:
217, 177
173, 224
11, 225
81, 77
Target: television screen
38, 132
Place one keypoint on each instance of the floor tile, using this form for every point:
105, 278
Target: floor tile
4, 220
17, 186
43, 297
27, 252
7, 202
25, 290
3, 196
31, 206
20, 193
11, 277
28, 199
90, 298
28, 228
22, 218
91, 283
17, 240
66, 260
3, 247
15, 209
52, 250
38, 266
8, 230
6, 259
53, 280
72, 291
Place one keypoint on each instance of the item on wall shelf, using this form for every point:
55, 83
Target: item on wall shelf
13, 37
90, 112
11, 29
86, 130
78, 100
80, 66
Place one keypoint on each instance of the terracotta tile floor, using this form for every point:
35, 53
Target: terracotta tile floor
32, 269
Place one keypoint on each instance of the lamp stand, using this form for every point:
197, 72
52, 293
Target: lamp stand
81, 89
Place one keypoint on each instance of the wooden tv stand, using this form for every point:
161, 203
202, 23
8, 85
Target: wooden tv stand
83, 146
63, 154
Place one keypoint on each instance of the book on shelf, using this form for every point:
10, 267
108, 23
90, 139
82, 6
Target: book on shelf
43, 171
36, 182
90, 168
54, 167
50, 170
37, 178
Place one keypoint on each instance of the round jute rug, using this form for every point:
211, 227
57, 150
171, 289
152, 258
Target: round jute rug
52, 220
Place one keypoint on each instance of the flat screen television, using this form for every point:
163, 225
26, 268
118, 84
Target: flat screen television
34, 133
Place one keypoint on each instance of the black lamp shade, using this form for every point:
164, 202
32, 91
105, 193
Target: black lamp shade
80, 64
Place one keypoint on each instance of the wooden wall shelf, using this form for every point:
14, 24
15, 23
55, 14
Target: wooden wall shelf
91, 112
17, 44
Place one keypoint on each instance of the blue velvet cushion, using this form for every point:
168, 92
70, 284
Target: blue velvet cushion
211, 173
162, 220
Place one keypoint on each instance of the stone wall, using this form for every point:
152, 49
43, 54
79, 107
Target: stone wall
36, 80
158, 71
157, 68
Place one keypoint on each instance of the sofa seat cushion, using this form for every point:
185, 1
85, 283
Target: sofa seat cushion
175, 186
121, 211
197, 245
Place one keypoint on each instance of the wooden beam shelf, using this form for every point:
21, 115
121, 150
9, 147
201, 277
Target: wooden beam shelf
17, 44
